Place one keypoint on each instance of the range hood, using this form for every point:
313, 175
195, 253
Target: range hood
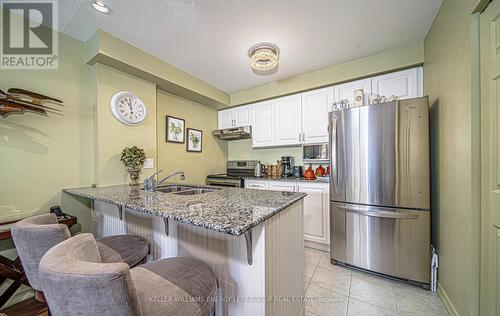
234, 133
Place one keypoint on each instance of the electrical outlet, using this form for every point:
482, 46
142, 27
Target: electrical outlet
149, 163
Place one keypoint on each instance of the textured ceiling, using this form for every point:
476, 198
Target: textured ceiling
67, 9
210, 39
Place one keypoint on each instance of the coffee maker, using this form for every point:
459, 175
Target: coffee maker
286, 166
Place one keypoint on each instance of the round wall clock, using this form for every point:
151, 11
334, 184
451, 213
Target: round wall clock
128, 108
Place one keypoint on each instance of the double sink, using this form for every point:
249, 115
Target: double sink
185, 190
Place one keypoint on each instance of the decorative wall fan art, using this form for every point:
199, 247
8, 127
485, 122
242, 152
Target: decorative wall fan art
19, 101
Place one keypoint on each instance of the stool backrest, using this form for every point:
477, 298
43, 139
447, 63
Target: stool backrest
33, 237
75, 282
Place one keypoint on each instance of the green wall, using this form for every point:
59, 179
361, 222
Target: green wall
173, 157
112, 135
41, 155
447, 80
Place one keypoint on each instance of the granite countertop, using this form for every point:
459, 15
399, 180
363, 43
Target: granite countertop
289, 179
229, 210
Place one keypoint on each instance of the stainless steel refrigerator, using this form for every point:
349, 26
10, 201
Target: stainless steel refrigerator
380, 188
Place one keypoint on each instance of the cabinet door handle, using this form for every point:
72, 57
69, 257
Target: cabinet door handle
333, 153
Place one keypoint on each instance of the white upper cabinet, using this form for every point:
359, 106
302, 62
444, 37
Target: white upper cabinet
225, 119
263, 124
242, 115
405, 84
315, 107
239, 116
303, 118
288, 120
346, 90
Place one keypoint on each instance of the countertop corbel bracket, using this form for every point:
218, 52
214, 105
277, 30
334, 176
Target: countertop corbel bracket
165, 221
120, 211
248, 240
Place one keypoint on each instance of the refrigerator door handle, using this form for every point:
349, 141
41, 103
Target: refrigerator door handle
379, 212
334, 168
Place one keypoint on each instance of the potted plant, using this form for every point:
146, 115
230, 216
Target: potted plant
133, 158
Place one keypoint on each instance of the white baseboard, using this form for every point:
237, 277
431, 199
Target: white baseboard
446, 301
317, 246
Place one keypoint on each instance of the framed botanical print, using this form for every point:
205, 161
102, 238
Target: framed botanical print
194, 141
175, 129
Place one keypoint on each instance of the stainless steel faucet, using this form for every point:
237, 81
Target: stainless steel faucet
151, 183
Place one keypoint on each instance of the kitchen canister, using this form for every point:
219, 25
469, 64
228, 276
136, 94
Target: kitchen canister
374, 99
359, 97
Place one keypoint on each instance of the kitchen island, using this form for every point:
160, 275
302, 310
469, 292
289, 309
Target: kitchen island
252, 239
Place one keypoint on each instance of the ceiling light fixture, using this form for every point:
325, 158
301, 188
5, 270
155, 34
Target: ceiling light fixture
264, 58
100, 6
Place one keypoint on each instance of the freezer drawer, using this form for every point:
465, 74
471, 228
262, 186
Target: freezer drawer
391, 241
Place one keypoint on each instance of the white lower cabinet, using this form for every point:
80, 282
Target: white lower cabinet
282, 186
316, 212
316, 205
256, 184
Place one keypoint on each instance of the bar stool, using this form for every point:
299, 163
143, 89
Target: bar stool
34, 236
76, 282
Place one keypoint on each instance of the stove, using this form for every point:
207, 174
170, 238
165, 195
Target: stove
236, 171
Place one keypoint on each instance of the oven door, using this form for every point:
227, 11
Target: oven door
226, 183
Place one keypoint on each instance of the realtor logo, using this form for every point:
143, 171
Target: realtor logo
29, 35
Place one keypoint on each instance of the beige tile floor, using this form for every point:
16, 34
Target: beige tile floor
336, 290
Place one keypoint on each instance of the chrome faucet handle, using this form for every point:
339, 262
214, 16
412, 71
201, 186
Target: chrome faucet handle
155, 174
151, 182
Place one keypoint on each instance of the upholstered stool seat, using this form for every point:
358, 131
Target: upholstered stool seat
34, 236
129, 249
186, 278
76, 282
